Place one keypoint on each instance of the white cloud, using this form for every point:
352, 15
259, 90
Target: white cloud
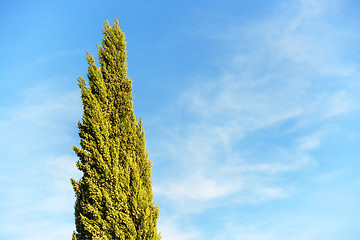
36, 168
309, 142
197, 188
283, 83
169, 229
38, 230
60, 196
38, 119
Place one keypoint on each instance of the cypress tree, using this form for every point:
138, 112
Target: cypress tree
114, 197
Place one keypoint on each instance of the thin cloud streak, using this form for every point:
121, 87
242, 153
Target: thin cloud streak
283, 80
34, 163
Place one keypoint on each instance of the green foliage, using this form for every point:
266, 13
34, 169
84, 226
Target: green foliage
114, 198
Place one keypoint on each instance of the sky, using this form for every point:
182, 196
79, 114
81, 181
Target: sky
251, 113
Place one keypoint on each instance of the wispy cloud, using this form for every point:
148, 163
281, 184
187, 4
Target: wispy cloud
290, 225
36, 165
287, 77
60, 197
198, 188
170, 230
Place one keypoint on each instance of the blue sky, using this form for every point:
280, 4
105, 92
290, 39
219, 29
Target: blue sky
250, 110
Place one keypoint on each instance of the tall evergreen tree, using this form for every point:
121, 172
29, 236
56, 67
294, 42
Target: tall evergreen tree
114, 197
